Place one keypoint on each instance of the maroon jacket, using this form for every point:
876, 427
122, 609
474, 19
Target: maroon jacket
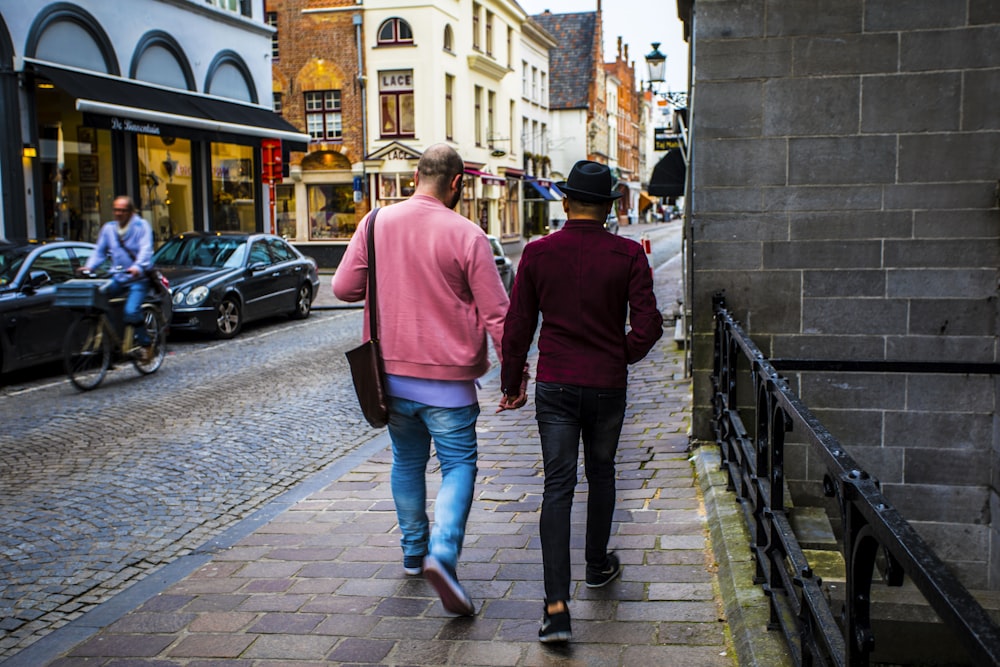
586, 283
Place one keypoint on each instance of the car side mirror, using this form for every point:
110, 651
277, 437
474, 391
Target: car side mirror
257, 266
37, 279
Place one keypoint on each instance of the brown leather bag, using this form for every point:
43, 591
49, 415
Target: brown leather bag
367, 369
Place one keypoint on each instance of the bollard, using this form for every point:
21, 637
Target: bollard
647, 247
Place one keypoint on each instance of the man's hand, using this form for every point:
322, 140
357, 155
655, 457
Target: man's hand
514, 402
134, 271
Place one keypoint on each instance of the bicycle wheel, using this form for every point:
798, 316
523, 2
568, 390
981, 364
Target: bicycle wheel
156, 329
87, 352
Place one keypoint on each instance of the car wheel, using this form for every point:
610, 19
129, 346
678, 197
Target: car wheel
303, 302
228, 318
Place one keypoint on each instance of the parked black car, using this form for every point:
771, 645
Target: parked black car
222, 280
31, 329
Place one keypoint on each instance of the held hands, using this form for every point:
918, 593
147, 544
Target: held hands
508, 402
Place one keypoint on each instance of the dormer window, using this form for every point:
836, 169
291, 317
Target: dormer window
395, 31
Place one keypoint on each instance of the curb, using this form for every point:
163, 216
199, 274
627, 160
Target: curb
747, 609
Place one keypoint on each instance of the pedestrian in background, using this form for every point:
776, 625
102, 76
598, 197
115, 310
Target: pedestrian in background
439, 295
585, 283
128, 242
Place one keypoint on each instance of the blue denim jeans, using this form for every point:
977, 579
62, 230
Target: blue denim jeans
137, 290
412, 425
565, 413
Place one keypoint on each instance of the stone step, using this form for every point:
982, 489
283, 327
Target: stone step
812, 528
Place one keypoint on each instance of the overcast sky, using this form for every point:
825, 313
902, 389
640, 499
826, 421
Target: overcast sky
639, 23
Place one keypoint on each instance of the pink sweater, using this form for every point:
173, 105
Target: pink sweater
439, 291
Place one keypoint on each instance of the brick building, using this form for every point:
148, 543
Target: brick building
624, 136
844, 195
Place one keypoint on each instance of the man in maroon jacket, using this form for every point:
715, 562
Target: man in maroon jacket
585, 283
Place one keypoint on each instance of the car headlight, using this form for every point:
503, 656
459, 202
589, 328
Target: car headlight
196, 296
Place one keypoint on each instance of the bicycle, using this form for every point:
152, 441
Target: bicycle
99, 337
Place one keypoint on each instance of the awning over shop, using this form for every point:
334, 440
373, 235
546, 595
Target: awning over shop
543, 191
122, 104
487, 177
645, 201
668, 175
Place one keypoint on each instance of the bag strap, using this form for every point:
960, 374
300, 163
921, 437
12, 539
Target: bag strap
372, 291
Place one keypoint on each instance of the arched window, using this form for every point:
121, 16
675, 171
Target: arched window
395, 31
449, 38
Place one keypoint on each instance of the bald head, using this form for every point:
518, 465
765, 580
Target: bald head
439, 174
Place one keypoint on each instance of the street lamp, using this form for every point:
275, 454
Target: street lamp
657, 64
656, 61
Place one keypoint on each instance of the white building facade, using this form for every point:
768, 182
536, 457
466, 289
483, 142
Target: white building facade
447, 72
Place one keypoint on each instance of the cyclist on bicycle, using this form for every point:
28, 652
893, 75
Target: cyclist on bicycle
128, 242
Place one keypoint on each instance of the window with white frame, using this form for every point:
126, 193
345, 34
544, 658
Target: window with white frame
271, 19
476, 11
323, 117
543, 98
491, 125
449, 110
534, 84
478, 104
449, 38
524, 78
489, 33
395, 31
277, 99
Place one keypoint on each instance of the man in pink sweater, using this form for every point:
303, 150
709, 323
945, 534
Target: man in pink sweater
439, 296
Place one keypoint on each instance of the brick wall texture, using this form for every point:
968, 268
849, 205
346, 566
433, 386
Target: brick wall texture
845, 166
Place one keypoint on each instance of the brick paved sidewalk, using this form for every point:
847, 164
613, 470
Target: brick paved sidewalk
322, 582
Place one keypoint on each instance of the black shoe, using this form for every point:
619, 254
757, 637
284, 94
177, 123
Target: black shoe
443, 579
413, 565
597, 578
555, 627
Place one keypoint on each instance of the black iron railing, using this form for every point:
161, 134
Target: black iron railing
754, 463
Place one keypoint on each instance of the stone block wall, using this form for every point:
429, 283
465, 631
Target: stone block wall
845, 175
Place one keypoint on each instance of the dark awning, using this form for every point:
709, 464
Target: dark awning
668, 175
123, 104
543, 191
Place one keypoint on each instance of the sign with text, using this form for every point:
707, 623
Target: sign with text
664, 139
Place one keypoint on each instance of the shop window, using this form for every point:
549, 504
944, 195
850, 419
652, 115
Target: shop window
165, 177
467, 207
331, 211
234, 205
323, 115
394, 187
509, 207
284, 211
395, 31
396, 104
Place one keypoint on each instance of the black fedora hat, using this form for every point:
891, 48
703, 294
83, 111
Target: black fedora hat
590, 182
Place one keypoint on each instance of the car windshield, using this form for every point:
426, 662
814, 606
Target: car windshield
206, 251
11, 259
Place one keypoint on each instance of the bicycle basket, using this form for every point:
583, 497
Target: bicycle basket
84, 294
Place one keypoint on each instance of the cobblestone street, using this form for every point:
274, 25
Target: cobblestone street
99, 489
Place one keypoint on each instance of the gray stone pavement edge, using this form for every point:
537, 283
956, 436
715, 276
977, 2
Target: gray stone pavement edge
316, 577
